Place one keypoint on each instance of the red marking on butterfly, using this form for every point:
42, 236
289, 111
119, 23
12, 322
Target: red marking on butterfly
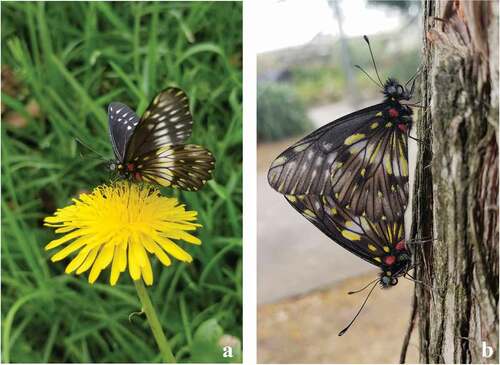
389, 260
401, 245
137, 176
130, 167
403, 127
393, 113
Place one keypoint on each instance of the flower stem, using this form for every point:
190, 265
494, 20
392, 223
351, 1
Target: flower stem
154, 323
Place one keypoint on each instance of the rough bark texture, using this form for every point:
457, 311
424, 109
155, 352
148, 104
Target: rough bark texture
456, 185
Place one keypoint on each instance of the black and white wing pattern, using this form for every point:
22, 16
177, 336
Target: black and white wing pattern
153, 149
185, 167
166, 121
360, 159
380, 243
122, 124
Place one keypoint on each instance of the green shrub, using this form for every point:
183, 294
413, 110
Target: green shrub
280, 114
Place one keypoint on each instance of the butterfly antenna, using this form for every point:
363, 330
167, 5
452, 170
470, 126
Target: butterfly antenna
414, 76
90, 148
373, 59
359, 311
363, 288
411, 278
366, 73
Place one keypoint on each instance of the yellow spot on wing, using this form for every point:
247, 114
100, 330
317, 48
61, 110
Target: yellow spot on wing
334, 211
387, 163
388, 125
374, 125
374, 154
350, 235
363, 171
354, 138
377, 259
301, 147
372, 248
291, 198
309, 213
387, 249
404, 163
379, 114
278, 161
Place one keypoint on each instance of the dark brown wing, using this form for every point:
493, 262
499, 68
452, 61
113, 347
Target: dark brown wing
372, 241
166, 121
157, 147
186, 167
360, 159
122, 124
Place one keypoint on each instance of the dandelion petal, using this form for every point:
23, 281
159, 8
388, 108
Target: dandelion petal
75, 245
173, 249
119, 263
89, 260
133, 265
77, 261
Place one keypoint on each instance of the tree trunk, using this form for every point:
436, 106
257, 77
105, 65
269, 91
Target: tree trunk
456, 184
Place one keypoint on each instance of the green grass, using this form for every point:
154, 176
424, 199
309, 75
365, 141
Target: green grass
72, 59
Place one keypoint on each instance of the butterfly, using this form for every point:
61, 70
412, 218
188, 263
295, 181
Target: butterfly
380, 243
360, 159
152, 148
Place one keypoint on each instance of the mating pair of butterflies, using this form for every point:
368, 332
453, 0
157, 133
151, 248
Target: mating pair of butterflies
350, 179
152, 148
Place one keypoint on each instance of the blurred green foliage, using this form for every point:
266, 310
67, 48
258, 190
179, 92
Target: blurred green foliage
318, 78
62, 63
280, 113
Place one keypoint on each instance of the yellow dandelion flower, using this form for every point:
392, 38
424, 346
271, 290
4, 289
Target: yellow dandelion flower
120, 224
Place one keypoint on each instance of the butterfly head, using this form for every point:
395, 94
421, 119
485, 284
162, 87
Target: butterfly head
387, 280
116, 166
395, 91
398, 267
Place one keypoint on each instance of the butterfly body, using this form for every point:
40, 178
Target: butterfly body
152, 149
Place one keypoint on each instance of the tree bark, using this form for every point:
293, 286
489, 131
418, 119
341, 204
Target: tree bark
455, 200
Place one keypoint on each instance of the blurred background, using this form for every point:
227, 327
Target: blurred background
62, 63
306, 79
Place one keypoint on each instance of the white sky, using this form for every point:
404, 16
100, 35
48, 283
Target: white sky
289, 23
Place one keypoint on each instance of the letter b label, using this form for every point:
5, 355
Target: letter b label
487, 350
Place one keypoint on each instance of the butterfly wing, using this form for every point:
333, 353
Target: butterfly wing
166, 121
372, 241
361, 159
122, 124
157, 150
185, 167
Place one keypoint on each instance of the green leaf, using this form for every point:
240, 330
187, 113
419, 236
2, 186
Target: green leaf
211, 345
